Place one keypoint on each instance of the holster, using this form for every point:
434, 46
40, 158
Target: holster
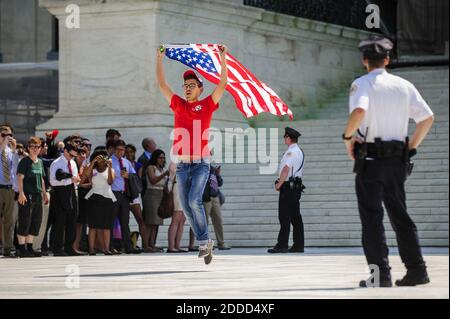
360, 153
409, 164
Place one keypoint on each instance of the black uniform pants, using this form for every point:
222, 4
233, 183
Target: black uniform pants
63, 231
122, 212
383, 181
289, 213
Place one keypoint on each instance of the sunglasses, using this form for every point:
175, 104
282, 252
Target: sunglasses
7, 134
189, 86
34, 147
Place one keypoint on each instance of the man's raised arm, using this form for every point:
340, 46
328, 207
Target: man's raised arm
220, 89
160, 77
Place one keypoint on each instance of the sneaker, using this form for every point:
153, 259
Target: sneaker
206, 252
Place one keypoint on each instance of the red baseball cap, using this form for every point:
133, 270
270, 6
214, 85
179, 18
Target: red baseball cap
55, 134
189, 74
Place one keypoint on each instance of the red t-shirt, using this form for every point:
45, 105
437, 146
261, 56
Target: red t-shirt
192, 123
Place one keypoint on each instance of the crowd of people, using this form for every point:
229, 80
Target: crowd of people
68, 198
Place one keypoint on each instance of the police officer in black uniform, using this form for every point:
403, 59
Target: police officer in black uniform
290, 187
381, 105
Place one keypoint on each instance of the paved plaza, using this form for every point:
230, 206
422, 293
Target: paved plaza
238, 273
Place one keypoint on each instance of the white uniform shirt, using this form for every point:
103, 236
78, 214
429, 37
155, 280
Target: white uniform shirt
294, 159
62, 163
389, 102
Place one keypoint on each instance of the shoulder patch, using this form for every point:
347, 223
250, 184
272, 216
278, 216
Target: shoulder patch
353, 89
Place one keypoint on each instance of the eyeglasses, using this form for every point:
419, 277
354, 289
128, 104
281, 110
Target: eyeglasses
73, 155
189, 86
33, 147
7, 134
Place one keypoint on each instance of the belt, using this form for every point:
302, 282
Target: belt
383, 149
6, 186
189, 159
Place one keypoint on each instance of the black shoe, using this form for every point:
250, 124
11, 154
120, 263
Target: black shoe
44, 253
277, 250
224, 247
75, 254
108, 253
193, 249
37, 254
411, 281
133, 251
8, 254
296, 250
92, 253
384, 283
26, 254
60, 253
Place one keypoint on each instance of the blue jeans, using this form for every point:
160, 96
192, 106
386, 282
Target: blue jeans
191, 180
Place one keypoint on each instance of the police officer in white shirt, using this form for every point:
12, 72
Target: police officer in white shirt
290, 187
381, 105
64, 178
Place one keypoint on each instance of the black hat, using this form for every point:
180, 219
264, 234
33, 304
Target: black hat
376, 47
291, 133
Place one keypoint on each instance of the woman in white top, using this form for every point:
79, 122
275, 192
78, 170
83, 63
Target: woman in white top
178, 219
156, 180
100, 201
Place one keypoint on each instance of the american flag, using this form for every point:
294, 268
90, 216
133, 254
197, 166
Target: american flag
251, 95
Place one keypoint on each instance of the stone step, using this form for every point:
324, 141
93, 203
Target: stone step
325, 189
438, 216
328, 197
261, 180
349, 204
338, 215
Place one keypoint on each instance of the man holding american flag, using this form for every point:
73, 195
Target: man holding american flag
191, 128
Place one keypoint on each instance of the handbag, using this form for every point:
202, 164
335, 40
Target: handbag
221, 198
167, 206
134, 186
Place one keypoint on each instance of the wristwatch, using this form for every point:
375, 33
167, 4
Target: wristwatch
345, 138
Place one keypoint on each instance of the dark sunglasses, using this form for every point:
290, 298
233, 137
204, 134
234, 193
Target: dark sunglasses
7, 134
